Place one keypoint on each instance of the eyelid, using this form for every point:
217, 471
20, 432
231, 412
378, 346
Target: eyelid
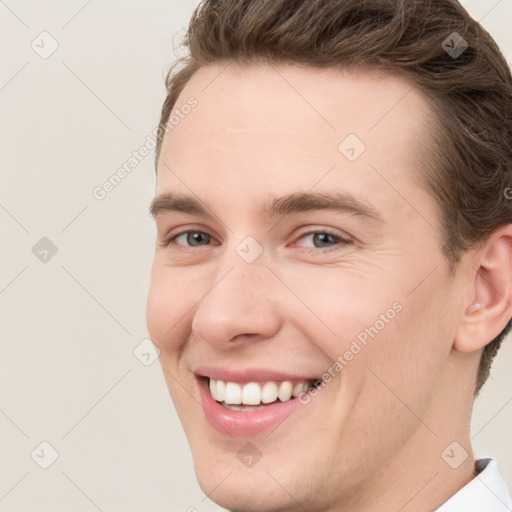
344, 238
168, 238
342, 235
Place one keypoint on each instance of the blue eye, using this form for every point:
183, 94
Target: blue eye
193, 237
324, 238
320, 239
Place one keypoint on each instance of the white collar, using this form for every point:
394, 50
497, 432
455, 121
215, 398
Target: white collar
487, 492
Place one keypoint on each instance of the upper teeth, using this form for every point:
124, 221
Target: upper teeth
253, 393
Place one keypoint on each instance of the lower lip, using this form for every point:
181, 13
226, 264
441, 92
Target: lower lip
244, 423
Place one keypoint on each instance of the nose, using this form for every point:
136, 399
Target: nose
239, 306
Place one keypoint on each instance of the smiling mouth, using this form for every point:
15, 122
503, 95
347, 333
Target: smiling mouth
257, 395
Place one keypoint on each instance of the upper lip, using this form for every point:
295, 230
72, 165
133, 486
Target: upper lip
248, 374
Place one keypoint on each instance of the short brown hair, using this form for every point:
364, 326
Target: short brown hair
470, 164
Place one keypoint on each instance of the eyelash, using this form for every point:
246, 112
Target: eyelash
342, 241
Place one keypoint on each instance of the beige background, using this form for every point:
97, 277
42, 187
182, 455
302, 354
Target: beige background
68, 327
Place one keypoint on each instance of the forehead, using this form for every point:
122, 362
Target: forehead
279, 125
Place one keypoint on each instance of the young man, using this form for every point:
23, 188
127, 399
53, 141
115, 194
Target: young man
333, 269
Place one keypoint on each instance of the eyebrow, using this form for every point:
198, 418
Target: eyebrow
296, 202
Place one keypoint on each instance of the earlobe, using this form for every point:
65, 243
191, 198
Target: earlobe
491, 306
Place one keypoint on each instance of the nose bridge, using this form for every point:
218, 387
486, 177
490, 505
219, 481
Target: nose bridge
238, 302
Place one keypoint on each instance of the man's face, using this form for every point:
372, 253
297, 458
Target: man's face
357, 296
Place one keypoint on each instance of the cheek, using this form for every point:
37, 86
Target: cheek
375, 327
408, 358
166, 309
341, 309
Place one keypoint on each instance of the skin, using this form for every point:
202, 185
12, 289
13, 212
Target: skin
372, 438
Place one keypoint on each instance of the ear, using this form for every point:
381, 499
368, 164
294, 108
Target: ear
490, 308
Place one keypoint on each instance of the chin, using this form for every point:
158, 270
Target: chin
248, 490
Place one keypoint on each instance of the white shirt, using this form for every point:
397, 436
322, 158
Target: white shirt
487, 492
